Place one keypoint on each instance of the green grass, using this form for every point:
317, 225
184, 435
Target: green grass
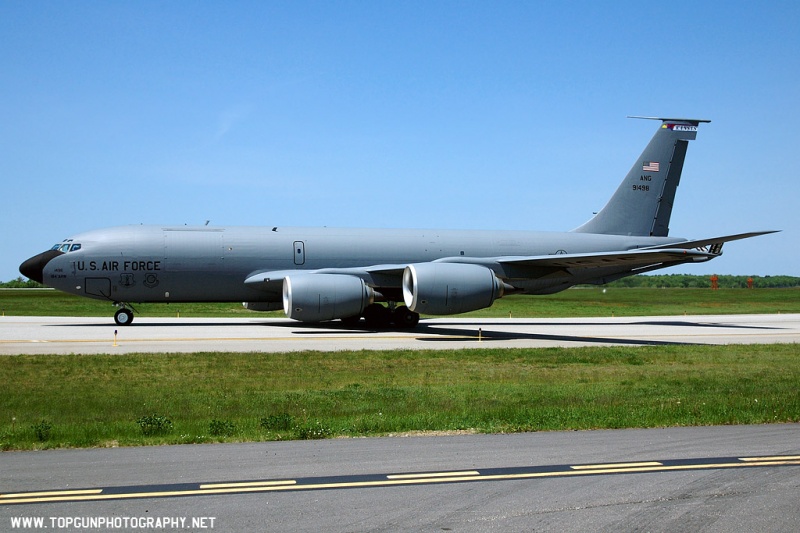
596, 302
91, 400
574, 302
76, 401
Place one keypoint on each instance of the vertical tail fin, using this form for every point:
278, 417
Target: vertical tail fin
642, 204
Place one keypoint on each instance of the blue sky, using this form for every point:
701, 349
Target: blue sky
491, 115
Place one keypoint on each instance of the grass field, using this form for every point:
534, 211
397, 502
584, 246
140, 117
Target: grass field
103, 400
585, 302
55, 401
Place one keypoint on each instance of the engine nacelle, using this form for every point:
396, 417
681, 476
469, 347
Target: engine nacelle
318, 297
449, 288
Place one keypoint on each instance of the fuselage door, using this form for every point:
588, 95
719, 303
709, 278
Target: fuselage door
299, 252
98, 287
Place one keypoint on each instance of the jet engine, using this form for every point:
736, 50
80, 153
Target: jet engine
449, 288
318, 297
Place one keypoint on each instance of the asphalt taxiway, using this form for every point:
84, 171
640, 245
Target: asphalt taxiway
729, 478
63, 335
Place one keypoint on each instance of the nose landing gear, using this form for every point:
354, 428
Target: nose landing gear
123, 316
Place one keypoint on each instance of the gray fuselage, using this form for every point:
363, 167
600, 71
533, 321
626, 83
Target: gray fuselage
202, 263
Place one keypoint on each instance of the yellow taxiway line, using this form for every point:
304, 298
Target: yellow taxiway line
342, 482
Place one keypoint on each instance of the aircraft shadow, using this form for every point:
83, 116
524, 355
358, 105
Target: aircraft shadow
673, 323
436, 333
457, 332
143, 322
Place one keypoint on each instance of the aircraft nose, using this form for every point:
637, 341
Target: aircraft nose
33, 268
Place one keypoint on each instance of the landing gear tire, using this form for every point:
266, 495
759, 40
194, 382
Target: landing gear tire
405, 318
123, 317
377, 316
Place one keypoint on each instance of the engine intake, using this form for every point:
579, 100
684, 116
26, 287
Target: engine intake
449, 288
318, 297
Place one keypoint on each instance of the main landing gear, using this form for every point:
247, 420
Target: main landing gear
123, 316
377, 316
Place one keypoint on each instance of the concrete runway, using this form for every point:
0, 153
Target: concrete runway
729, 478
60, 335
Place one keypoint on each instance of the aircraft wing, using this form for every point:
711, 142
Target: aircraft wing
375, 275
571, 269
672, 253
609, 259
277, 276
385, 277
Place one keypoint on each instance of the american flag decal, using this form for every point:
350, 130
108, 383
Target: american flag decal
650, 166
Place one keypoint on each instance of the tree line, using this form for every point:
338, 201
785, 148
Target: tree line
20, 283
686, 281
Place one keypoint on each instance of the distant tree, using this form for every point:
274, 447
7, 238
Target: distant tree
687, 281
21, 283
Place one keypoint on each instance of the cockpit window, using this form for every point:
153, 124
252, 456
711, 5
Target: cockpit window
66, 246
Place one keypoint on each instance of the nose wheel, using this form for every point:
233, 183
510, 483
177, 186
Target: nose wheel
123, 317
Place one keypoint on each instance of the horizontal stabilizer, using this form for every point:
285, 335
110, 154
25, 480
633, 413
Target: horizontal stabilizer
713, 241
694, 121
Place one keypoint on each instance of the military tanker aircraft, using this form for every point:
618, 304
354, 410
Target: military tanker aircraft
322, 274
